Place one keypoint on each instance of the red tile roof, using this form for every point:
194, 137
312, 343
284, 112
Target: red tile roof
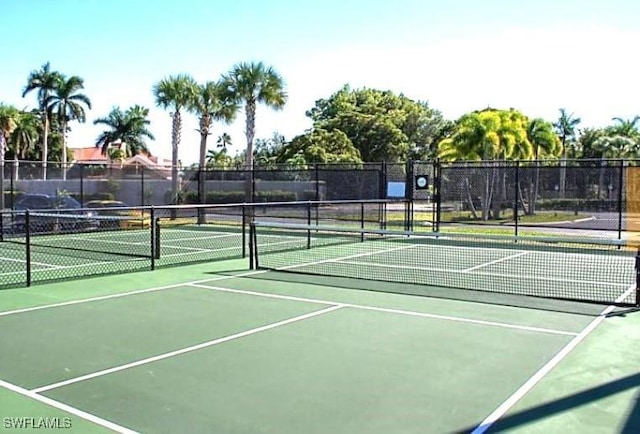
93, 154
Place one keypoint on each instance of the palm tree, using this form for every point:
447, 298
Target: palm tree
627, 127
8, 120
45, 81
68, 105
23, 137
128, 127
209, 105
545, 144
566, 130
251, 84
176, 93
223, 141
218, 159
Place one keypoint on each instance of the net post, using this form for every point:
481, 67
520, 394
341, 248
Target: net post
156, 237
27, 235
437, 174
515, 199
620, 198
361, 221
253, 247
309, 224
152, 234
244, 231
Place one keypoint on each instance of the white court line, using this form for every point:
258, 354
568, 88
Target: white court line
389, 310
208, 237
68, 267
67, 408
497, 261
542, 372
2, 258
340, 260
188, 349
126, 294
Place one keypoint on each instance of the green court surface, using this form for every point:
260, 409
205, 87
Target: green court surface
216, 348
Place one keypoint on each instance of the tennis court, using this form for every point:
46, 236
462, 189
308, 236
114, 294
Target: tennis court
330, 333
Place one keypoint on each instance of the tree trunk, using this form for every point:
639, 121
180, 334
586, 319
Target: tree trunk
563, 170
536, 189
175, 142
250, 110
45, 146
16, 167
467, 191
64, 150
205, 122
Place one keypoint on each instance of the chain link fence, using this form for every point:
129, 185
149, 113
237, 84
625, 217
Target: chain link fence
566, 195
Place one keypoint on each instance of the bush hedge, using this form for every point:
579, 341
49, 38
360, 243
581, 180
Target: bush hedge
578, 205
216, 197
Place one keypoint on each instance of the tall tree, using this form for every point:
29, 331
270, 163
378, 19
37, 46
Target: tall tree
252, 84
129, 127
546, 145
8, 120
223, 141
209, 104
23, 138
67, 104
382, 125
44, 81
320, 146
175, 93
626, 127
566, 126
488, 135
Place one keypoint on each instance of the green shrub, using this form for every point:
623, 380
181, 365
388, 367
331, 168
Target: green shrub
217, 197
596, 205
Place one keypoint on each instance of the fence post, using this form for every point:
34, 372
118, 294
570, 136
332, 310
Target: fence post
142, 198
516, 199
27, 238
437, 197
621, 186
81, 171
12, 187
408, 224
382, 179
317, 176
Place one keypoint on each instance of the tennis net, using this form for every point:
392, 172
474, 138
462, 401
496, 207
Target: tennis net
591, 270
88, 236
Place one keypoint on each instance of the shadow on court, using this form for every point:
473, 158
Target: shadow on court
571, 402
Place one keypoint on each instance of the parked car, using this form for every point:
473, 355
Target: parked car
125, 218
52, 213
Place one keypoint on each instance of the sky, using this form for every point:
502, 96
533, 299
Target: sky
457, 55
